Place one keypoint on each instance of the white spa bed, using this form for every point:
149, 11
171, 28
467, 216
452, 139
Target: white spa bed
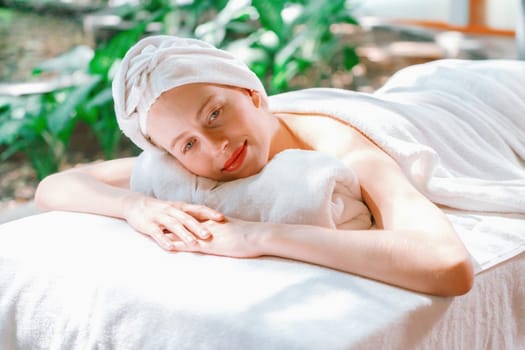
79, 281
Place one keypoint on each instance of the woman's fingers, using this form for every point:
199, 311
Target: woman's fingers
169, 241
190, 224
201, 212
162, 240
175, 226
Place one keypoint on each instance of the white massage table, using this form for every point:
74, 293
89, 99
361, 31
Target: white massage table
79, 281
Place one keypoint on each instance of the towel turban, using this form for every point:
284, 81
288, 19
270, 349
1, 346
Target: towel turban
159, 63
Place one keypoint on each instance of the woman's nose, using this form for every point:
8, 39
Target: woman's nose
218, 142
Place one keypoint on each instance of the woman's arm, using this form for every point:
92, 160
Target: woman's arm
402, 257
103, 188
98, 188
415, 246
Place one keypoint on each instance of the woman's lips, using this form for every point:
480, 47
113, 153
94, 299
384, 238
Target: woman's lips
236, 159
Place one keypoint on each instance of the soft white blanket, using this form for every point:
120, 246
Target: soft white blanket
296, 187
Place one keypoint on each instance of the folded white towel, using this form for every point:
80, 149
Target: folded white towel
295, 187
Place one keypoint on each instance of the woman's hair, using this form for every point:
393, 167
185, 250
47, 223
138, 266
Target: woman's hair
159, 63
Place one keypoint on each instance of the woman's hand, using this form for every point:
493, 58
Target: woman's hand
173, 225
232, 237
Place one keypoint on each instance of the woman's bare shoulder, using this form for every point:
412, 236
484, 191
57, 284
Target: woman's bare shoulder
329, 135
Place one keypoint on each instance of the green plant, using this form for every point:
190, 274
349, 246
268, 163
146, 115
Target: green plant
280, 40
284, 39
41, 126
35, 126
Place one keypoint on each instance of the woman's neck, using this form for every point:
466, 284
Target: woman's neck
284, 138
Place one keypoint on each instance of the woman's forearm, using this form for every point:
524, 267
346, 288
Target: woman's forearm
403, 258
81, 192
103, 189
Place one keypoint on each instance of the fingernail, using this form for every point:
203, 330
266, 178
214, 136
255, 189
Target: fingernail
205, 234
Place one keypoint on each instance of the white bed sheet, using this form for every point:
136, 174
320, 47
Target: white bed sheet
79, 281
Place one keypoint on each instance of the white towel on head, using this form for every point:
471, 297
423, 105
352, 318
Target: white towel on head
295, 187
159, 63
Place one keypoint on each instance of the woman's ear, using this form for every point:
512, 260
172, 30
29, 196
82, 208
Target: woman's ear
256, 98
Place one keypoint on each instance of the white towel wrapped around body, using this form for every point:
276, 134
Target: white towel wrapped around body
456, 128
295, 187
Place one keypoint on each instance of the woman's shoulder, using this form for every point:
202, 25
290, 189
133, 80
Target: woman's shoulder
327, 134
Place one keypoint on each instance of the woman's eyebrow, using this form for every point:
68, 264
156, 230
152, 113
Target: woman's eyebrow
203, 105
175, 140
197, 115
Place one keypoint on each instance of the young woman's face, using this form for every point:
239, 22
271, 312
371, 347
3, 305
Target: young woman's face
217, 132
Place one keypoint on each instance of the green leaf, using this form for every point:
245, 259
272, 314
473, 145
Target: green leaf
260, 68
35, 126
12, 149
240, 27
64, 112
350, 58
279, 82
43, 162
73, 60
270, 15
285, 54
103, 97
107, 132
350, 20
114, 49
10, 130
303, 64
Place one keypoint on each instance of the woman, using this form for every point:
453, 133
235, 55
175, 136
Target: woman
205, 108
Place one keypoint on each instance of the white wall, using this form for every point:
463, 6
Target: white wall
501, 14
406, 9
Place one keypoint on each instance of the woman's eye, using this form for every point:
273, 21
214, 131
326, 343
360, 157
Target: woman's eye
214, 115
189, 145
